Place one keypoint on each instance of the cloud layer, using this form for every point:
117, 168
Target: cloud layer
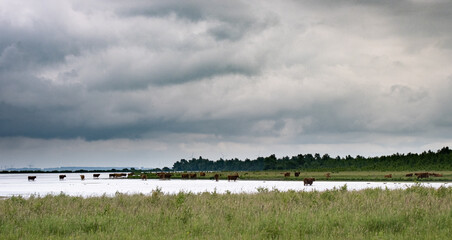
236, 78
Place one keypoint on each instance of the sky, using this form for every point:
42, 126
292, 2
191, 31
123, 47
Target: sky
147, 83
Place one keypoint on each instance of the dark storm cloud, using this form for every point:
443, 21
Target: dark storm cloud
231, 75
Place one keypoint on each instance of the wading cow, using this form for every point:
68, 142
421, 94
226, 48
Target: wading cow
96, 175
82, 177
62, 177
308, 181
31, 178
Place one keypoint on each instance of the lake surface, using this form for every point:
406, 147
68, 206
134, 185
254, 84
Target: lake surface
49, 183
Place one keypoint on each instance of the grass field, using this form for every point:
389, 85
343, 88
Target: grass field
414, 213
335, 176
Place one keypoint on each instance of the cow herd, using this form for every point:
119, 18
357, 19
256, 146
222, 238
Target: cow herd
418, 175
233, 177
82, 177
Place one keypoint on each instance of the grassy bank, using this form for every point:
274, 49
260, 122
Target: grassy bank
334, 176
414, 213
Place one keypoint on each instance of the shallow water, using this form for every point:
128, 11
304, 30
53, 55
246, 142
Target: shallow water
49, 183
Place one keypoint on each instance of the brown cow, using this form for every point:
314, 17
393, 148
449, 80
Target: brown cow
328, 175
422, 175
82, 177
184, 176
96, 175
193, 175
388, 176
308, 181
31, 178
130, 174
297, 174
437, 175
163, 175
216, 176
62, 177
409, 175
202, 174
144, 177
287, 174
233, 177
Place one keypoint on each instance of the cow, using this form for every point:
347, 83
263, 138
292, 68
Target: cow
111, 175
308, 181
422, 175
216, 176
297, 174
193, 175
409, 175
202, 174
82, 177
144, 177
437, 175
328, 175
184, 176
130, 174
31, 178
388, 176
286, 174
233, 177
96, 175
163, 175
62, 177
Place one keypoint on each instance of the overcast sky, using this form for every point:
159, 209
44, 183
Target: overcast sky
147, 83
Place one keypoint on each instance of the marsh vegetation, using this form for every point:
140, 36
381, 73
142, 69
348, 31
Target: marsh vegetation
413, 213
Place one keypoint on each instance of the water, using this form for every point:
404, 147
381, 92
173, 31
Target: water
49, 183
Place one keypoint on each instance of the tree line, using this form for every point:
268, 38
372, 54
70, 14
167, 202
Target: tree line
427, 160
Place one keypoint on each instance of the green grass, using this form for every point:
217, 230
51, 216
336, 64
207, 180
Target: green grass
414, 213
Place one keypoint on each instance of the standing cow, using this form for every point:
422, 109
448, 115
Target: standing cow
308, 181
233, 177
31, 178
62, 177
144, 177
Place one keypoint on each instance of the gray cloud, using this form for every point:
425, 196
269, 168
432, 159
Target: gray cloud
241, 77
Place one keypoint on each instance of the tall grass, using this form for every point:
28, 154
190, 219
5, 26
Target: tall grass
413, 213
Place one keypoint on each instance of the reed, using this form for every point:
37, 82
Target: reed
413, 213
